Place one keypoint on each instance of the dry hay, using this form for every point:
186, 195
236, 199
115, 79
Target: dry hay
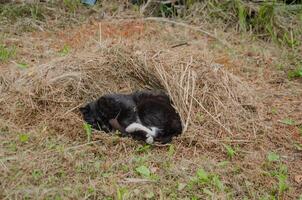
212, 102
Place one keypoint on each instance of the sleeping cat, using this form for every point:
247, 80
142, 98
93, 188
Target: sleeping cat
143, 115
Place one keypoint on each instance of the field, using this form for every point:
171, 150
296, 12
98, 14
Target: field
238, 91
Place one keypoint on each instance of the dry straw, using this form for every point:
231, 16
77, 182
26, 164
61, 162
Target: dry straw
211, 102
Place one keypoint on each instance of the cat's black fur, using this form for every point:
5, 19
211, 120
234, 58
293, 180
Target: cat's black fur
151, 109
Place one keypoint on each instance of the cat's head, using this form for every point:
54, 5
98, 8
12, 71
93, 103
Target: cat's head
92, 116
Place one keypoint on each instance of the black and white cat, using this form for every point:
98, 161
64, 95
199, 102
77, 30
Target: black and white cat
143, 115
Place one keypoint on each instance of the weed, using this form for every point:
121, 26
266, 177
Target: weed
37, 174
288, 121
297, 73
264, 21
6, 53
171, 150
203, 176
88, 129
242, 14
230, 151
167, 10
23, 138
72, 5
143, 171
274, 111
273, 157
121, 193
143, 149
65, 50
15, 11
217, 183
22, 65
291, 41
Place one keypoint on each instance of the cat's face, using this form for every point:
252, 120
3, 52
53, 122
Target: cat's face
95, 119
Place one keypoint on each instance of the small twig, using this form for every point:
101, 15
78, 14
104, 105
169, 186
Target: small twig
181, 44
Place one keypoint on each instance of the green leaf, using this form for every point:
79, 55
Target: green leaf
282, 185
288, 121
23, 138
143, 149
37, 174
273, 157
171, 150
22, 65
121, 192
65, 50
217, 183
202, 175
143, 171
88, 129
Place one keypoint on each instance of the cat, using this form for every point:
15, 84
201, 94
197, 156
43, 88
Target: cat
143, 115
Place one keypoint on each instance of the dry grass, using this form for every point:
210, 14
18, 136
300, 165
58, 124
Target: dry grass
217, 108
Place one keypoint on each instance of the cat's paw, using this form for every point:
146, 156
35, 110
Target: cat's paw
132, 128
149, 140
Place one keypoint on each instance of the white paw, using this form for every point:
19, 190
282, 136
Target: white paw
150, 140
132, 128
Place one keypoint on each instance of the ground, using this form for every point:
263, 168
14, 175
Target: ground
54, 157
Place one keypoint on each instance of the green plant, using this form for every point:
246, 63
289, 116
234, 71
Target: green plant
16, 11
88, 129
22, 65
65, 50
37, 174
6, 53
121, 193
230, 151
143, 171
273, 157
297, 73
217, 183
242, 14
171, 150
274, 111
282, 179
24, 138
288, 121
143, 149
72, 5
202, 176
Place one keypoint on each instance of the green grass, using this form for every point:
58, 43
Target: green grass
16, 11
297, 73
72, 5
6, 53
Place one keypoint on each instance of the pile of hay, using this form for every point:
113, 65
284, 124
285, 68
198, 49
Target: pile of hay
212, 102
